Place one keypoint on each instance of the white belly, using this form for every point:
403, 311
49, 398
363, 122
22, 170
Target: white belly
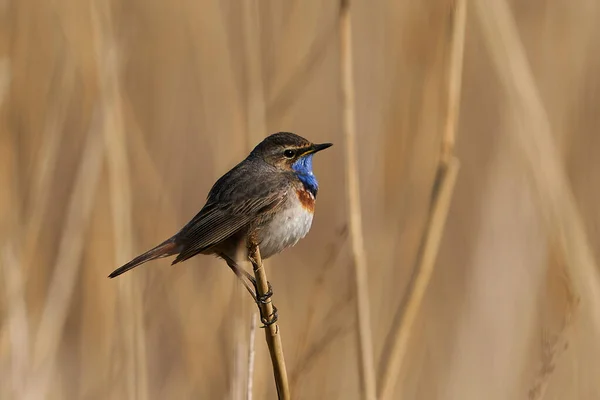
285, 230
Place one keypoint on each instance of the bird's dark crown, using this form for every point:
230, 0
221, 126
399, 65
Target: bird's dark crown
281, 140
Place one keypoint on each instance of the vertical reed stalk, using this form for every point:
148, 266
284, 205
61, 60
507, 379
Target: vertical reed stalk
240, 333
455, 71
272, 334
363, 313
446, 180
251, 356
441, 196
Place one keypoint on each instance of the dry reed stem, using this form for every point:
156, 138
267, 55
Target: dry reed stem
272, 334
363, 312
455, 68
120, 193
10, 212
445, 182
251, 357
240, 335
541, 157
67, 264
16, 319
441, 196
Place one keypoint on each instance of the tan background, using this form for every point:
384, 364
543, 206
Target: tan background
116, 118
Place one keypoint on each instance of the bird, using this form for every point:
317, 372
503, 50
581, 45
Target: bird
268, 198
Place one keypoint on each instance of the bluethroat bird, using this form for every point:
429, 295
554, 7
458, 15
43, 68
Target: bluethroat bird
268, 198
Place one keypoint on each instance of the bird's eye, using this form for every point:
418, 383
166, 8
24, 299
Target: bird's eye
289, 153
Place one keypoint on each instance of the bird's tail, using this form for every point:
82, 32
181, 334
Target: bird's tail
165, 249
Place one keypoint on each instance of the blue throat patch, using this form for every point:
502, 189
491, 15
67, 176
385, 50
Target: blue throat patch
303, 169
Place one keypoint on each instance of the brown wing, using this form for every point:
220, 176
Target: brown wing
218, 221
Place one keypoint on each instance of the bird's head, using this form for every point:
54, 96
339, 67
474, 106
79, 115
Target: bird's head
289, 152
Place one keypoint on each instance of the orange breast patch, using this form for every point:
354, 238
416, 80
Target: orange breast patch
306, 199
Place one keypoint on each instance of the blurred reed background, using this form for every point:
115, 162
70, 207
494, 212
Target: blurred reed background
116, 118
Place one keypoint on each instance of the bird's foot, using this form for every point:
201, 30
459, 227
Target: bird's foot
271, 318
265, 298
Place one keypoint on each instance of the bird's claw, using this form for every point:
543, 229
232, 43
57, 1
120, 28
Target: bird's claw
271, 319
265, 298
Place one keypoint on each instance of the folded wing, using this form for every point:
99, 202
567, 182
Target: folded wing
218, 221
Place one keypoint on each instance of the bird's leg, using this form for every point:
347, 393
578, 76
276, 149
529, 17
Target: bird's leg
264, 299
241, 273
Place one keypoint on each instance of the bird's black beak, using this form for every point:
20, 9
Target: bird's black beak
318, 147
